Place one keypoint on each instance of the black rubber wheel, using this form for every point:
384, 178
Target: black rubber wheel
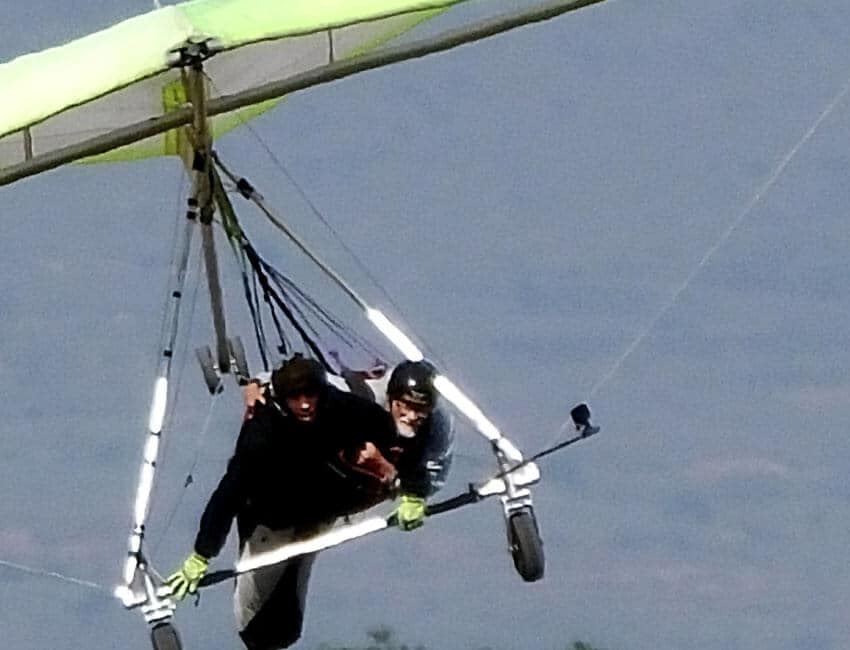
164, 637
211, 377
525, 545
240, 361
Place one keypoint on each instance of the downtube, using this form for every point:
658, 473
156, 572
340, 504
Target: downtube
158, 407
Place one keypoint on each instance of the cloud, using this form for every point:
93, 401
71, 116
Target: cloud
678, 585
24, 545
18, 543
820, 397
723, 469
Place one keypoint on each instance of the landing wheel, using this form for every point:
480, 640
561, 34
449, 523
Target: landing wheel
211, 377
525, 545
240, 361
164, 637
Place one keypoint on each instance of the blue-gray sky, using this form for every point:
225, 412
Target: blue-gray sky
533, 203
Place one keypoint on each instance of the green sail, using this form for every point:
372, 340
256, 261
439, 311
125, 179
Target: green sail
123, 74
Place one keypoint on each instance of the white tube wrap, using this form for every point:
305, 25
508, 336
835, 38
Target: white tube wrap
448, 389
160, 397
394, 335
135, 544
130, 565
507, 448
466, 406
524, 476
143, 494
151, 448
313, 544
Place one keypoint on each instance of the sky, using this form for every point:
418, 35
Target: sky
639, 204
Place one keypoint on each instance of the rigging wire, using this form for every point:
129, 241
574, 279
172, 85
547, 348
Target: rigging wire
183, 354
262, 339
54, 575
759, 194
333, 323
249, 288
666, 307
282, 168
270, 295
180, 211
266, 274
182, 358
202, 436
321, 217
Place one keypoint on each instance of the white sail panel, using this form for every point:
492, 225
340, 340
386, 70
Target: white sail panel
121, 76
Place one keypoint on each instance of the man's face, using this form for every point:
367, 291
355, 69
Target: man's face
408, 416
304, 407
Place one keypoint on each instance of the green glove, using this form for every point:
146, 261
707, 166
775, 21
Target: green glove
411, 512
185, 580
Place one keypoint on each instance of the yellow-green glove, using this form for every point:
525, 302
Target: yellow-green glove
185, 580
411, 512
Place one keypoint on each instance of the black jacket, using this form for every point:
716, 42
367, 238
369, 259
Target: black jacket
284, 472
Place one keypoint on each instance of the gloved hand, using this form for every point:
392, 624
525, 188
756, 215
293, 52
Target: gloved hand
185, 580
410, 512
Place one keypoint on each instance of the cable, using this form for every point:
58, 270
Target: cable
190, 476
757, 196
321, 217
181, 367
54, 575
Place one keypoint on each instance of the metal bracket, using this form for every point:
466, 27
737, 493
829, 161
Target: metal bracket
193, 54
144, 592
516, 495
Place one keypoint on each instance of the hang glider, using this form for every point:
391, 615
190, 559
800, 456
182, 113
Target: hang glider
170, 82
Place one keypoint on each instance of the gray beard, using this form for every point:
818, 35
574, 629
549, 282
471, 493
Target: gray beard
405, 430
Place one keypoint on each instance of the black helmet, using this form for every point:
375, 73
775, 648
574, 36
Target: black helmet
299, 376
413, 381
